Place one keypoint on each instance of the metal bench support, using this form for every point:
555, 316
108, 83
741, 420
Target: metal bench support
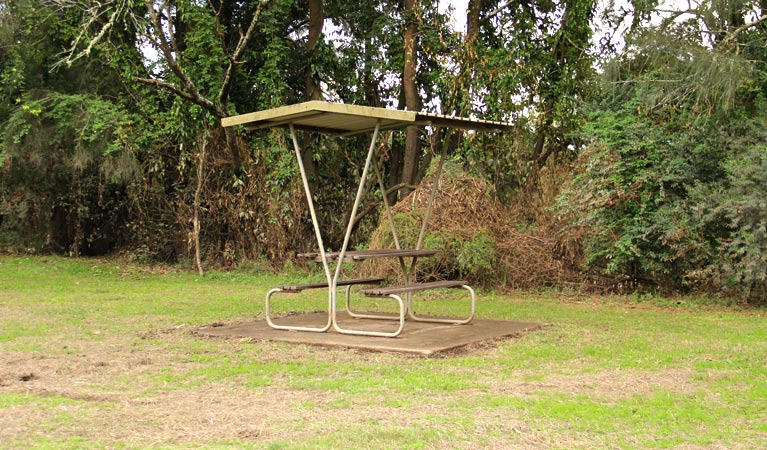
409, 290
302, 287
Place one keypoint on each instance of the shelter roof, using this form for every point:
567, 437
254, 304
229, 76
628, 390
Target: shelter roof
345, 120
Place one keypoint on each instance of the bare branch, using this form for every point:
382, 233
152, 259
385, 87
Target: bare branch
162, 41
731, 36
497, 10
94, 12
219, 27
673, 16
234, 59
164, 85
244, 40
171, 27
190, 91
199, 100
100, 17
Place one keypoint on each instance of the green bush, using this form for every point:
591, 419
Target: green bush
631, 189
671, 199
472, 258
741, 203
62, 185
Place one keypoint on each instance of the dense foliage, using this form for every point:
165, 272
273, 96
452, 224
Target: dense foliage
110, 136
667, 186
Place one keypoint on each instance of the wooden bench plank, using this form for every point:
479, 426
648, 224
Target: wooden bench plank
361, 255
381, 292
302, 287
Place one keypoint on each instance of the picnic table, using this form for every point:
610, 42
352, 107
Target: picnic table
342, 120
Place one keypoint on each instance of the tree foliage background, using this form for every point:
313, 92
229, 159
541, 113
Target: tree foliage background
651, 117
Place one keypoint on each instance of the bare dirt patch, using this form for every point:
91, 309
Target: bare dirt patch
101, 391
116, 397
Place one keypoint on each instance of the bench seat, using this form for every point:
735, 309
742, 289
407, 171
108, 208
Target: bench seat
302, 287
385, 291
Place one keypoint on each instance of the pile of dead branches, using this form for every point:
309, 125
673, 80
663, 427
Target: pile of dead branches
517, 255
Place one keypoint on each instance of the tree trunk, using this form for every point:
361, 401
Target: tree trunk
395, 158
316, 19
410, 88
313, 90
233, 148
472, 24
462, 97
395, 175
196, 206
370, 87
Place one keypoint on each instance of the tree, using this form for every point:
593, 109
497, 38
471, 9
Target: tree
313, 90
724, 39
529, 63
198, 75
65, 148
410, 92
667, 185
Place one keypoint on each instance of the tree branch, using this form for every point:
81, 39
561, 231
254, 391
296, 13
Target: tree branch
219, 27
205, 103
234, 59
734, 33
95, 14
171, 27
190, 91
498, 10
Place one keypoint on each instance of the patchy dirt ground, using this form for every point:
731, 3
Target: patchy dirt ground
119, 396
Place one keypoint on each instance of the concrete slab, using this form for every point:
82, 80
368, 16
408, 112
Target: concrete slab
417, 338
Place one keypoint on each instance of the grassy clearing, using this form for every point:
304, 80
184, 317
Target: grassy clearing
94, 354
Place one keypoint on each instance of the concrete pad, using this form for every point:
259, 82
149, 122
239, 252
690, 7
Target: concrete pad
417, 337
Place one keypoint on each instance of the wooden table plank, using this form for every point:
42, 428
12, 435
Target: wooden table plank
361, 255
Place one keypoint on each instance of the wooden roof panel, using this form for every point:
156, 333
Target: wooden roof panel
343, 119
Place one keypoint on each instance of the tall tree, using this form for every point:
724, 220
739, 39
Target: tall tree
316, 21
412, 154
528, 62
313, 90
565, 75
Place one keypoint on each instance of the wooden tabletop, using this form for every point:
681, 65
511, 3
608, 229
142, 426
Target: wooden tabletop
361, 255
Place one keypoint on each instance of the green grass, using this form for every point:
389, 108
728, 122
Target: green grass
9, 399
117, 365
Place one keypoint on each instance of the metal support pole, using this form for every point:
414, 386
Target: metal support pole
355, 206
342, 253
433, 193
308, 193
321, 245
389, 215
386, 205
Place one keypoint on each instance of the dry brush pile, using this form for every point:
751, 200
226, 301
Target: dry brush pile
482, 240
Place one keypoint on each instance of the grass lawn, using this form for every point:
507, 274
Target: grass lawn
97, 354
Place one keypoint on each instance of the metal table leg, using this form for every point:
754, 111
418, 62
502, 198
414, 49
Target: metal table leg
345, 245
320, 244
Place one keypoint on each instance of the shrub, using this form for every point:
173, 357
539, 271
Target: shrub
741, 203
480, 239
670, 200
63, 178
